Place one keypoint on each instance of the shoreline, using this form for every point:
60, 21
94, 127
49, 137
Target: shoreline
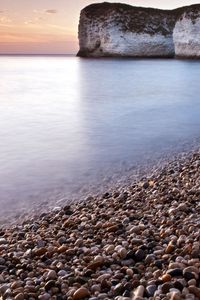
137, 241
111, 179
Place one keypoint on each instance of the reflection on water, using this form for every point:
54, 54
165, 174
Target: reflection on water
64, 120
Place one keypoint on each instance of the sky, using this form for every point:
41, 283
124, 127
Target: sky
51, 26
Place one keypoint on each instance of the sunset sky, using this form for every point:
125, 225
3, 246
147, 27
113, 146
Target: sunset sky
50, 26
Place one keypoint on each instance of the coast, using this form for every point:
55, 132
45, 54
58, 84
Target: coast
139, 241
121, 30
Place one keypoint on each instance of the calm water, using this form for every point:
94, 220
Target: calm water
66, 122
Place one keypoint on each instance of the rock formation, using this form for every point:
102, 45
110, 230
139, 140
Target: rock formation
114, 29
186, 33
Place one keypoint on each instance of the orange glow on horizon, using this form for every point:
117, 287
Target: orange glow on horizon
22, 39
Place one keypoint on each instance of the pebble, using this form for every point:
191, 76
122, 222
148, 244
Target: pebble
139, 292
151, 290
4, 288
49, 285
19, 296
51, 275
170, 248
166, 287
118, 289
122, 253
166, 277
175, 272
62, 273
129, 272
191, 269
40, 251
3, 241
188, 275
175, 296
96, 288
95, 265
81, 293
139, 255
137, 242
192, 282
45, 296
194, 290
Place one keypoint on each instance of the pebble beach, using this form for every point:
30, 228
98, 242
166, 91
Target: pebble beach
140, 241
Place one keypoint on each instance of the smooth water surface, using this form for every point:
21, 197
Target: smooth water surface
65, 121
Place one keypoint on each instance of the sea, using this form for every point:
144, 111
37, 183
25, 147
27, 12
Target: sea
71, 127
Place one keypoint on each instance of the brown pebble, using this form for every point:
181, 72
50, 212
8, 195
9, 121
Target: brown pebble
40, 251
166, 278
175, 296
69, 223
81, 293
62, 249
113, 228
129, 272
170, 248
95, 265
192, 282
194, 290
138, 293
18, 291
70, 252
19, 297
122, 253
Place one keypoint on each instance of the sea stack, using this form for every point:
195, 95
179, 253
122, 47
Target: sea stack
120, 30
186, 33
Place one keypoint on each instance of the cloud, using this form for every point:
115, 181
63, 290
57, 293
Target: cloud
28, 22
5, 20
34, 20
51, 11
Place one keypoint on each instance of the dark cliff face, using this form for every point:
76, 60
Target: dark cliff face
105, 29
192, 12
134, 19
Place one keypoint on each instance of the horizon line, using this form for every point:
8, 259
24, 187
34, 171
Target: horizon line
38, 54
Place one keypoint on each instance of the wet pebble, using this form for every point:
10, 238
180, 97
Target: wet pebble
140, 241
81, 293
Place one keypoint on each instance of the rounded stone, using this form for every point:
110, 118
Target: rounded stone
175, 272
40, 251
81, 293
3, 241
178, 285
62, 273
118, 289
166, 287
45, 296
51, 275
175, 296
170, 248
166, 278
139, 255
96, 288
188, 275
194, 290
122, 253
49, 285
192, 282
151, 290
129, 272
19, 296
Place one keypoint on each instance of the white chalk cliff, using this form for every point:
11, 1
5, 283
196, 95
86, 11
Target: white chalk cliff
114, 29
186, 33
